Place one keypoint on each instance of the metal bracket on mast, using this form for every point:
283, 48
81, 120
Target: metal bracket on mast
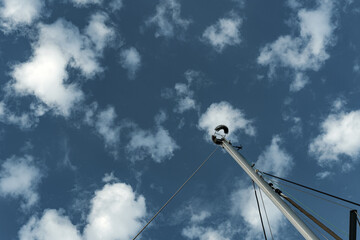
303, 229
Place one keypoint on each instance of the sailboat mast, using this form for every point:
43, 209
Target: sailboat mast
303, 229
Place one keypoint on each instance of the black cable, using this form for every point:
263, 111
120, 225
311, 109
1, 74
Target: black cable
267, 219
168, 201
313, 189
258, 205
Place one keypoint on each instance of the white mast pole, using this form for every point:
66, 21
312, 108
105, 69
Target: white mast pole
303, 229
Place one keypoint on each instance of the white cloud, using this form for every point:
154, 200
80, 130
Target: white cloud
131, 60
299, 82
296, 123
224, 113
99, 33
116, 5
158, 144
109, 177
274, 159
182, 93
185, 98
115, 213
323, 175
167, 19
45, 76
226, 32
52, 225
107, 128
244, 204
195, 218
22, 120
81, 3
14, 13
19, 178
308, 50
339, 139
204, 233
338, 104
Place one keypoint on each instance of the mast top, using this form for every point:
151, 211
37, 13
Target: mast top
215, 137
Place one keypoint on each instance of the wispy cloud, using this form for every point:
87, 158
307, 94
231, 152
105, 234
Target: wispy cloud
167, 19
182, 93
131, 60
306, 51
19, 178
106, 125
275, 159
226, 32
82, 3
15, 13
156, 143
99, 32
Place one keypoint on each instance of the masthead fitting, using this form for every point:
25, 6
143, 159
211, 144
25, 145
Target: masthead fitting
215, 137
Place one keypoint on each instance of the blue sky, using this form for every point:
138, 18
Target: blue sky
107, 106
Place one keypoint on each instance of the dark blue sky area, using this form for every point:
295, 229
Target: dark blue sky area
107, 106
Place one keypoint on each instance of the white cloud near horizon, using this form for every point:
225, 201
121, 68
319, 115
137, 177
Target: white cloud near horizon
19, 178
15, 13
338, 140
308, 51
130, 60
275, 159
225, 32
116, 213
223, 113
167, 19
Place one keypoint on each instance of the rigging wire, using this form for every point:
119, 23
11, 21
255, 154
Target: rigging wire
258, 205
313, 189
267, 219
357, 219
286, 185
179, 189
315, 213
308, 222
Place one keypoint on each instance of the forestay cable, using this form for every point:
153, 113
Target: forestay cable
168, 201
267, 219
258, 205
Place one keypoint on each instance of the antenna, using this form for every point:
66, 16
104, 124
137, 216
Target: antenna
220, 139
